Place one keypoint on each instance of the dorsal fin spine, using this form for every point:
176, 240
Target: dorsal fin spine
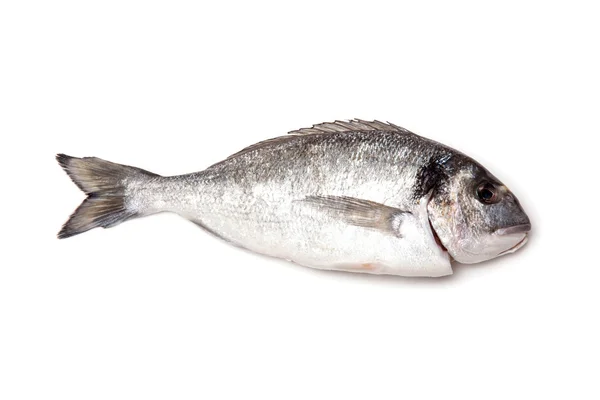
353, 125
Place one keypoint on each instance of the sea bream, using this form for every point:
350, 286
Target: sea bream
355, 196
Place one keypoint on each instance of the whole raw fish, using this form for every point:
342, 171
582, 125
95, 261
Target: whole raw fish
349, 195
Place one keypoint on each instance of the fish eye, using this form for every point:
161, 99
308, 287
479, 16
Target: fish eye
487, 193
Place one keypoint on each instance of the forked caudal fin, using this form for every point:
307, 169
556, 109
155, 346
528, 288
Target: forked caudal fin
105, 184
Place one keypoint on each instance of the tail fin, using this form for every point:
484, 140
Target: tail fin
104, 183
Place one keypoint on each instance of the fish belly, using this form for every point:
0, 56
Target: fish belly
294, 232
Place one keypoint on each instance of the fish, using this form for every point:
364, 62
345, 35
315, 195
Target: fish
354, 195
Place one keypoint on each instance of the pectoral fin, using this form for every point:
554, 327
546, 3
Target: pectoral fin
359, 212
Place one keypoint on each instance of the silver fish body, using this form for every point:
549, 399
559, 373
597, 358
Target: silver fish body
355, 196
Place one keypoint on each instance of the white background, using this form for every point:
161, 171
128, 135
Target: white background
158, 309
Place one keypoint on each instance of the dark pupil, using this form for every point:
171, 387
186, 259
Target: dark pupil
486, 194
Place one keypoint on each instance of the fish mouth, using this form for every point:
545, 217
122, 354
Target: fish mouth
516, 246
522, 228
515, 230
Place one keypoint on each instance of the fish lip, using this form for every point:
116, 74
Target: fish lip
516, 246
522, 228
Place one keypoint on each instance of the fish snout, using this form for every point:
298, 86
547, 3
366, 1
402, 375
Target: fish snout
521, 228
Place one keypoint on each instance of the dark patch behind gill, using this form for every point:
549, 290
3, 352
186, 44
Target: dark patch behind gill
432, 175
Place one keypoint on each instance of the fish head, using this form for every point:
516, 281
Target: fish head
474, 215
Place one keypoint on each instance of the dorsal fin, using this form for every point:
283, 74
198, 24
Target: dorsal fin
353, 125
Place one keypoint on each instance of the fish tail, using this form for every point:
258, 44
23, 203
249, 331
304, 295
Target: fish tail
108, 201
